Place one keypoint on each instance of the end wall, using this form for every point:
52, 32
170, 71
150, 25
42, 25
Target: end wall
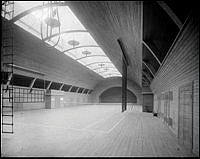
115, 82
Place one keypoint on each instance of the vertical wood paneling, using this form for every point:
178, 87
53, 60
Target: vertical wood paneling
180, 67
109, 20
185, 115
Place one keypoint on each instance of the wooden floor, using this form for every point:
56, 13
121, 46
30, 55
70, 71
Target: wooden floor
100, 130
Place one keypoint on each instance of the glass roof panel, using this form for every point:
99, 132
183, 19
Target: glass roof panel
104, 70
73, 34
31, 26
83, 51
75, 39
92, 59
20, 6
95, 66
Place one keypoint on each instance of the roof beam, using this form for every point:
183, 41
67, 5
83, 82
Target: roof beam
70, 88
80, 47
148, 68
8, 82
49, 85
171, 14
88, 91
26, 69
151, 52
144, 79
89, 56
124, 53
31, 85
61, 86
145, 82
96, 63
83, 90
77, 90
175, 41
102, 68
145, 74
80, 89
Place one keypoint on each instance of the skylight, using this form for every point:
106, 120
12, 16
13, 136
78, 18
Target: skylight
75, 41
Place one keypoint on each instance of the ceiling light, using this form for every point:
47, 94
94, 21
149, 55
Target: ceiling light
101, 64
52, 22
86, 53
73, 43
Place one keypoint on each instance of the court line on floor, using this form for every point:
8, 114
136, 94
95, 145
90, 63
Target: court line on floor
115, 125
98, 121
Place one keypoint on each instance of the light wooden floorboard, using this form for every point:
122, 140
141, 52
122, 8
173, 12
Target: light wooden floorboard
90, 131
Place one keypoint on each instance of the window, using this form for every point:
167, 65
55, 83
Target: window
24, 95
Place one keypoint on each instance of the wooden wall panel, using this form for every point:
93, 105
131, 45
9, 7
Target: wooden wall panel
155, 105
180, 67
196, 115
185, 115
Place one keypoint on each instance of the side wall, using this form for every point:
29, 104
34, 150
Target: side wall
181, 67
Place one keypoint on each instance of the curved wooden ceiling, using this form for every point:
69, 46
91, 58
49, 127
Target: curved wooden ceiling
147, 30
109, 20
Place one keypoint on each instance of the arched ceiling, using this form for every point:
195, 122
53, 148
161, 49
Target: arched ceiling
90, 30
110, 20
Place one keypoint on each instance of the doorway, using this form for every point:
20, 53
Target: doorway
185, 116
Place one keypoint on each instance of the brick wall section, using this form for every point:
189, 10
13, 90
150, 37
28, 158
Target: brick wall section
180, 67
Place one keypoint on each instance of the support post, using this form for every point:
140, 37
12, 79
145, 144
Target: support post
124, 85
125, 63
